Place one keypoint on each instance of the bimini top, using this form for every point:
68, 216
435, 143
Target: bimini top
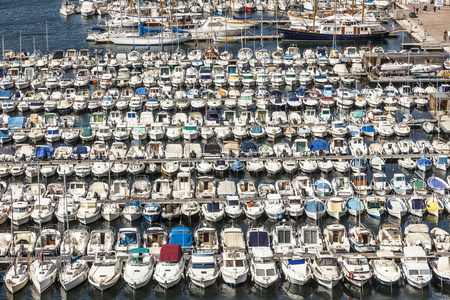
170, 253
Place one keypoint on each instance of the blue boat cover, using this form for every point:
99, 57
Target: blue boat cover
17, 122
80, 150
424, 161
143, 30
316, 145
322, 186
300, 92
4, 133
45, 151
296, 262
5, 94
212, 115
129, 239
354, 204
182, 236
436, 183
237, 165
276, 92
141, 91
258, 239
257, 129
416, 204
213, 207
314, 206
203, 266
368, 129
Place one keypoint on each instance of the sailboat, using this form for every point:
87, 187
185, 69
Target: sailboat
329, 29
75, 272
17, 276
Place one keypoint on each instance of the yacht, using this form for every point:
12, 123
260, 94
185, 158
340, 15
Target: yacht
105, 271
138, 268
415, 267
203, 269
325, 269
170, 268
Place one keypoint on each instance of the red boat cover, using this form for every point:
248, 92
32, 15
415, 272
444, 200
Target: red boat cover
170, 253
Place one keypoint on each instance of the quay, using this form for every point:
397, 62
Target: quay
5, 261
230, 159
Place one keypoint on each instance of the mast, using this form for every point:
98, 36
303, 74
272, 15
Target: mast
13, 249
314, 15
46, 34
39, 203
65, 219
362, 13
3, 58
20, 52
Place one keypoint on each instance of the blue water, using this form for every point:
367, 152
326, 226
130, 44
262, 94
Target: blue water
29, 18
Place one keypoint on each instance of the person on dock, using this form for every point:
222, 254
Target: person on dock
439, 10
445, 35
434, 8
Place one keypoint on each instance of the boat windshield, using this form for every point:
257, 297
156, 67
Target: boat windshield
419, 272
357, 261
327, 262
264, 260
137, 261
239, 263
104, 264
264, 272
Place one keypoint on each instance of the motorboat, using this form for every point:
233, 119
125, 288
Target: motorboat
101, 240
375, 206
138, 268
314, 208
356, 270
206, 238
309, 238
336, 239
170, 268
362, 239
441, 239
233, 207
325, 269
336, 207
415, 267
284, 238
418, 235
441, 268
234, 267
253, 210
273, 206
396, 207
213, 211
74, 273
89, 211
203, 269
386, 271
105, 271
434, 205
263, 267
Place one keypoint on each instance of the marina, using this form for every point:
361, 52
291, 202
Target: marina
214, 149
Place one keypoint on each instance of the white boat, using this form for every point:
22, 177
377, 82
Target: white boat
89, 211
415, 267
234, 267
296, 271
203, 269
105, 271
263, 267
127, 239
74, 273
170, 268
43, 274
284, 238
273, 206
213, 211
386, 271
390, 237
16, 277
325, 269
441, 239
356, 269
20, 213
336, 239
418, 234
43, 211
396, 207
138, 268
254, 210
101, 240
233, 207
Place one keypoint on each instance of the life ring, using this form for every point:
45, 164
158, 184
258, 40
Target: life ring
199, 22
350, 275
376, 198
250, 204
155, 148
4, 125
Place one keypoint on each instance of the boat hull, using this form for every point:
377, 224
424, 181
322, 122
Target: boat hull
294, 35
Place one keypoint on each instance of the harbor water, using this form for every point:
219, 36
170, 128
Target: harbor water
31, 20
